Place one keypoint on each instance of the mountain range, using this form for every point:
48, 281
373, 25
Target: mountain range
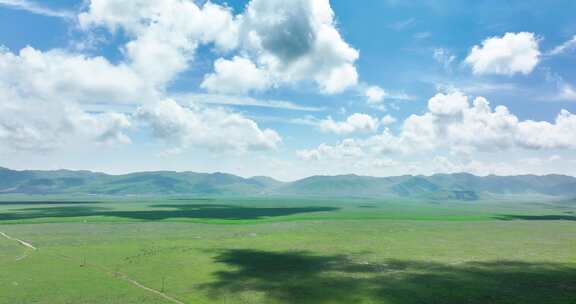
458, 186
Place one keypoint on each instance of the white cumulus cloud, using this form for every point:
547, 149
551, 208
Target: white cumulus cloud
58, 74
294, 41
35, 124
41, 94
375, 94
284, 41
355, 123
448, 104
453, 123
387, 120
207, 128
513, 53
236, 76
164, 34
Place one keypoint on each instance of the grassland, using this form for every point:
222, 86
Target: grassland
227, 250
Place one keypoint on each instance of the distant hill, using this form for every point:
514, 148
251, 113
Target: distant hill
460, 186
144, 183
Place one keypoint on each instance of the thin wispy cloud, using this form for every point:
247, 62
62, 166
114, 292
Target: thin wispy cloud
36, 8
245, 101
567, 93
564, 91
565, 47
422, 35
444, 57
487, 87
402, 24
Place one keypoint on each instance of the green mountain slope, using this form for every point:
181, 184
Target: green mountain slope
145, 183
461, 186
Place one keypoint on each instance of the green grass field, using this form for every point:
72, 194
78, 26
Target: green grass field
260, 250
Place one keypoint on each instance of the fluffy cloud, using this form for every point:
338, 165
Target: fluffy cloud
107, 128
238, 75
449, 104
35, 124
164, 37
507, 55
41, 94
59, 75
211, 128
481, 127
387, 120
347, 148
293, 41
374, 94
355, 123
542, 134
164, 34
286, 41
453, 123
47, 91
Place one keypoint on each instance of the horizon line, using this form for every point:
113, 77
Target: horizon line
284, 181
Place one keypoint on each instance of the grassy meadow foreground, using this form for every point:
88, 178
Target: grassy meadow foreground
182, 250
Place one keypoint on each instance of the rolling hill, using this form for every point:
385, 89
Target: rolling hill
460, 186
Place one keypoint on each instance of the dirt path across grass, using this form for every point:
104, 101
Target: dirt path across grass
137, 284
23, 243
119, 275
126, 278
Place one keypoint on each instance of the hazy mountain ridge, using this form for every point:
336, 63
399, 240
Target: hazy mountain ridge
459, 186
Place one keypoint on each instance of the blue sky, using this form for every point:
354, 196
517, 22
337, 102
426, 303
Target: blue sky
289, 88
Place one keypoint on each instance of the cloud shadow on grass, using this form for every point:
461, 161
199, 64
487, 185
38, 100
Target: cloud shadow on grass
41, 202
301, 277
553, 217
189, 211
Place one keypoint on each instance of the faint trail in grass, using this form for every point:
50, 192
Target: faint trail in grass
139, 285
125, 278
119, 275
23, 256
23, 243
